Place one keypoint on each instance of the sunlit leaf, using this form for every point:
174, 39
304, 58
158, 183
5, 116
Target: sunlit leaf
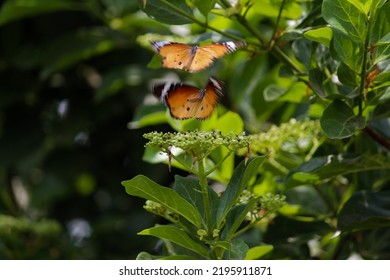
177, 236
235, 218
189, 189
148, 115
291, 11
323, 168
347, 51
240, 179
321, 35
346, 17
258, 252
204, 6
144, 187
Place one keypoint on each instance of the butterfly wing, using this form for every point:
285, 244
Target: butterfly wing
212, 94
206, 55
175, 55
182, 100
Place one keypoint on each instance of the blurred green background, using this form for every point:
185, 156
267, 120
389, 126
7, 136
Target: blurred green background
75, 101
72, 76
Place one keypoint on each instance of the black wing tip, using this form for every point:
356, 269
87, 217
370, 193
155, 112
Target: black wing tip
234, 45
157, 89
159, 44
218, 85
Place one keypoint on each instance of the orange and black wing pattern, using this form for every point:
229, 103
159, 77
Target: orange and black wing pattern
193, 58
206, 55
185, 101
174, 55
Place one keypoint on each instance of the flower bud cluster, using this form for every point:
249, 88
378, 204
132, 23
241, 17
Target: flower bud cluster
198, 143
294, 137
158, 209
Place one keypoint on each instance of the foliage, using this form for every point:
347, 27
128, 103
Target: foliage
339, 53
308, 179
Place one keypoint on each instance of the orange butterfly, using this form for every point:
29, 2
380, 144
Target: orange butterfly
193, 58
185, 101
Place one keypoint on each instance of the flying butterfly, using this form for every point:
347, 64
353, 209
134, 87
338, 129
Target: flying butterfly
193, 58
185, 101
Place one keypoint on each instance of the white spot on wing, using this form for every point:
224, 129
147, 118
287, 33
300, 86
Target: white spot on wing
216, 83
233, 46
165, 91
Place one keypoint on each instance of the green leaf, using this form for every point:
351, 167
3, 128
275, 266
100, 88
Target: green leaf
338, 121
347, 51
154, 155
240, 179
234, 219
228, 122
381, 24
296, 93
382, 80
363, 5
146, 115
347, 76
189, 189
309, 201
273, 92
364, 210
238, 250
177, 236
382, 110
382, 49
142, 186
178, 257
269, 9
204, 6
147, 256
258, 252
346, 17
316, 82
318, 169
164, 11
321, 35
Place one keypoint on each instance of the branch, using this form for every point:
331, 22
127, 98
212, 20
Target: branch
275, 51
200, 23
378, 137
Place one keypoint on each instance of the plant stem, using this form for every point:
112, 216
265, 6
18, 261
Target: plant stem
275, 50
205, 195
248, 226
278, 18
378, 137
182, 162
365, 50
200, 23
218, 164
363, 74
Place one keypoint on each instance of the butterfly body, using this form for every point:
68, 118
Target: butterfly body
193, 58
185, 101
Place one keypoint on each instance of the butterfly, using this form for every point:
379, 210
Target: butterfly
185, 101
193, 58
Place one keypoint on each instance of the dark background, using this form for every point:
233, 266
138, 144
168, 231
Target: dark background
69, 85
